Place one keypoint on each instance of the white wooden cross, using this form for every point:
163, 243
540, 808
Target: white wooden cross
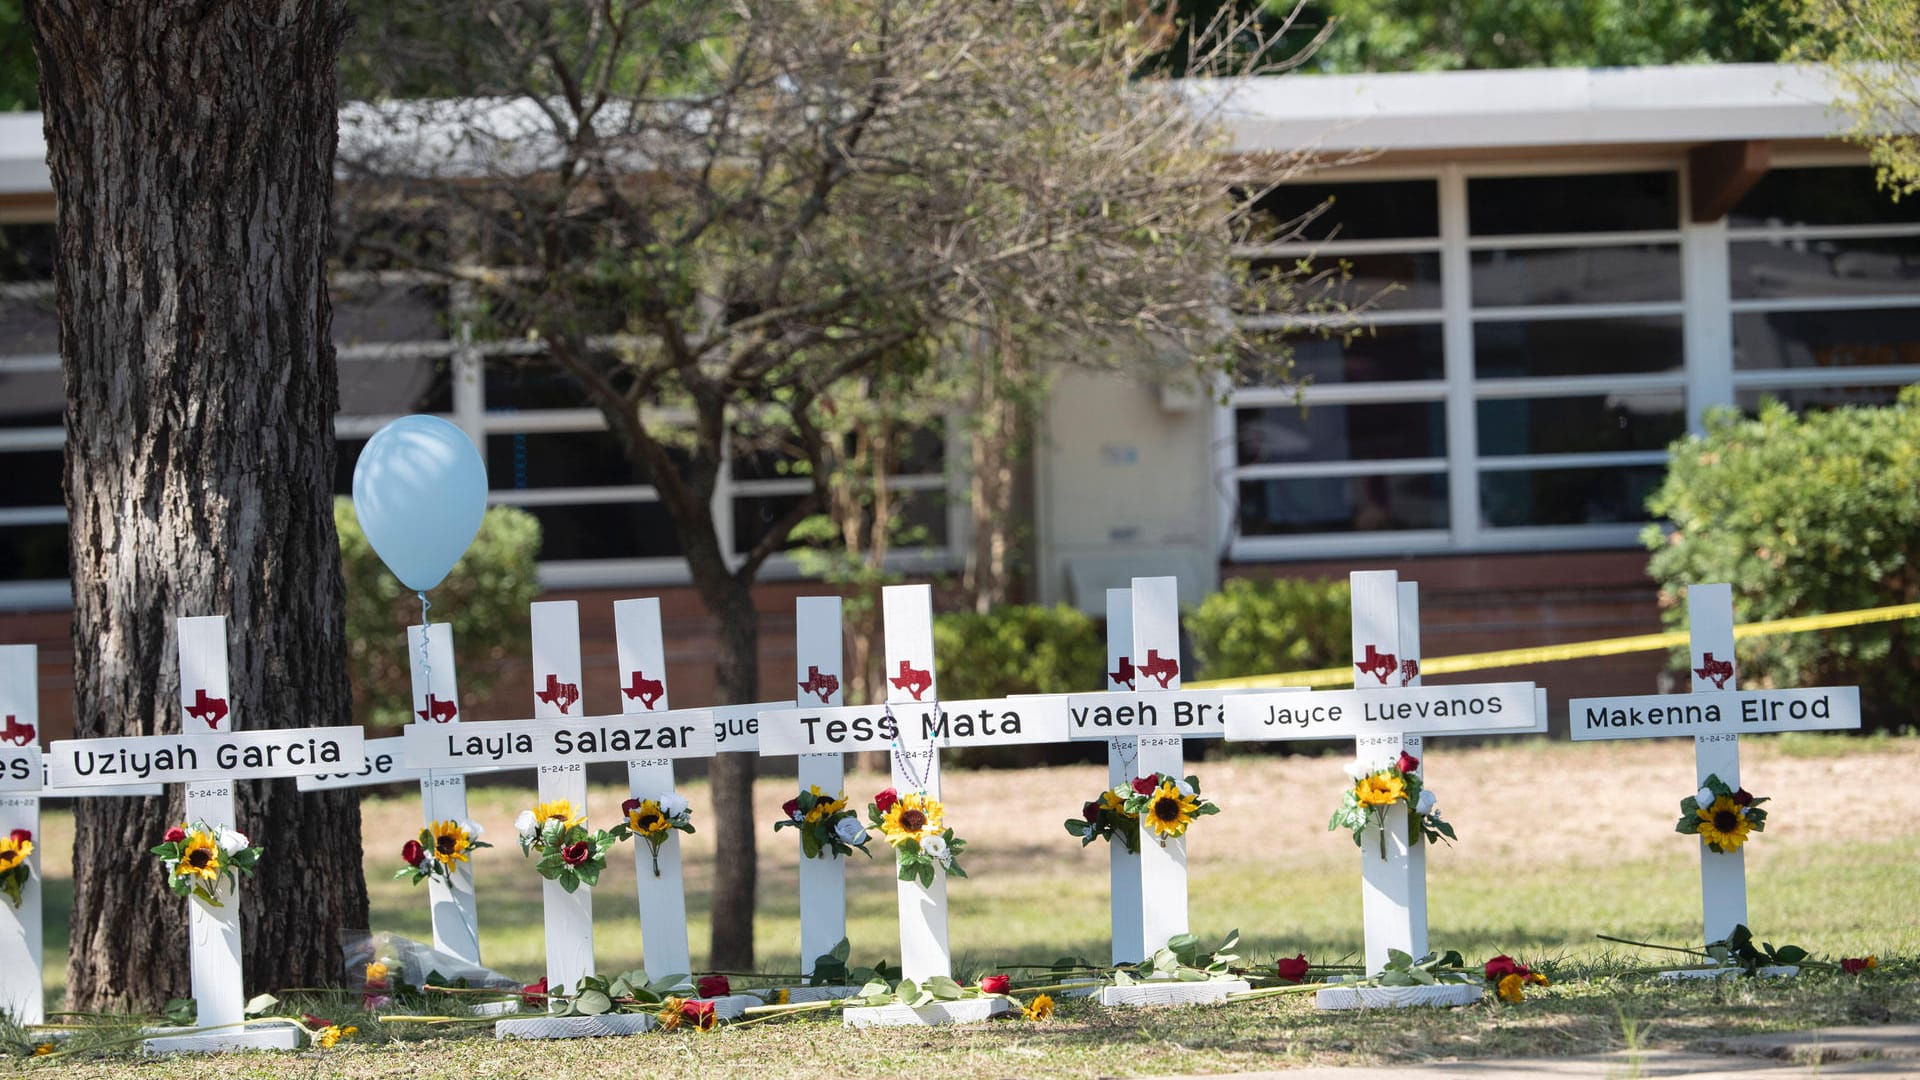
819, 673
454, 908
1715, 714
209, 758
662, 892
22, 996
22, 991
557, 679
1145, 716
1386, 714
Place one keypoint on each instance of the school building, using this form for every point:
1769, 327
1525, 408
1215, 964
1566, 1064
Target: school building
1583, 262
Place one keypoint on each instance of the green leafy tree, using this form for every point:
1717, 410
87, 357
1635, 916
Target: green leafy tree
19, 73
483, 600
1872, 51
1445, 35
1803, 515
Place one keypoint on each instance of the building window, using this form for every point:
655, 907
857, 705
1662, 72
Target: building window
1578, 344
1363, 448
1826, 290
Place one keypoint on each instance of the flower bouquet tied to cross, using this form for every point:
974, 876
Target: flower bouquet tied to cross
16, 852
199, 858
915, 825
569, 853
1377, 789
653, 820
1722, 816
1106, 818
438, 851
1165, 804
827, 827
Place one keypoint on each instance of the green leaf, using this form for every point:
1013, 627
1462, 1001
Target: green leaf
260, 1003
1790, 954
593, 1003
944, 988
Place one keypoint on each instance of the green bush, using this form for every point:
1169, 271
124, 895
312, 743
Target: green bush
1803, 515
1253, 627
1018, 649
484, 599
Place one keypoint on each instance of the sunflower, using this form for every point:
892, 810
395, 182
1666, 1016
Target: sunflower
1040, 1008
912, 817
1169, 812
1114, 801
1724, 825
823, 806
648, 819
199, 857
1513, 987
559, 810
13, 853
333, 1033
1380, 789
450, 843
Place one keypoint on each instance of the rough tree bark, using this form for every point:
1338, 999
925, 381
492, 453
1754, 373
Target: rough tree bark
191, 145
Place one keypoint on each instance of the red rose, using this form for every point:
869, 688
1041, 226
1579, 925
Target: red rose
313, 1021
711, 986
175, 835
535, 994
1502, 966
700, 1013
1295, 969
995, 984
1743, 797
629, 806
1091, 812
1854, 965
885, 800
21, 836
791, 808
413, 853
1145, 785
1407, 762
576, 853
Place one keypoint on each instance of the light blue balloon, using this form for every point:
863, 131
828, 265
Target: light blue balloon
420, 490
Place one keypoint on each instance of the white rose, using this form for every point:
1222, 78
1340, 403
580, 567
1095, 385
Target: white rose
1183, 788
1704, 797
675, 805
849, 832
232, 840
474, 831
934, 847
1425, 805
1358, 771
526, 825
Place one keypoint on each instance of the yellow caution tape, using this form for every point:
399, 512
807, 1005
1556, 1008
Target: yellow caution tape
1575, 650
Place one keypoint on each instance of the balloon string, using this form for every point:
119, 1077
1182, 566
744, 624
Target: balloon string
426, 629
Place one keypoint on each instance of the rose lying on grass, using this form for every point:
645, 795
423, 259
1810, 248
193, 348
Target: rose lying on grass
1510, 978
1294, 968
712, 986
1854, 965
995, 984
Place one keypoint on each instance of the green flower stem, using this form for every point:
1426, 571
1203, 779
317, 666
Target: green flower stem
436, 1019
771, 1011
1651, 945
1277, 991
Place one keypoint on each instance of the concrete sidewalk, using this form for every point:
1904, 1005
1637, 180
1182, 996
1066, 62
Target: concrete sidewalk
1885, 1050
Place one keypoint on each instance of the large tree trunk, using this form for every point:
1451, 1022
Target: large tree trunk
735, 870
191, 144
